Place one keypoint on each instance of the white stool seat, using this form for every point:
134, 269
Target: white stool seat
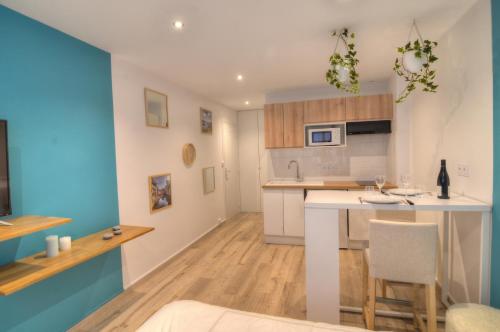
466, 317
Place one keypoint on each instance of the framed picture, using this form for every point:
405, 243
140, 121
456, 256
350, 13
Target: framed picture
206, 121
160, 192
208, 180
156, 105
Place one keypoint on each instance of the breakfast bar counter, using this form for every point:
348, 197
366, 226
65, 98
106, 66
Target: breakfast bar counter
324, 185
322, 208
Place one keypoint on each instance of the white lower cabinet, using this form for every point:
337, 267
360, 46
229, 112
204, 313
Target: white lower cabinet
284, 216
293, 212
273, 212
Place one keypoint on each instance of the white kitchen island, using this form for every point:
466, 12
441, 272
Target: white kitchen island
322, 235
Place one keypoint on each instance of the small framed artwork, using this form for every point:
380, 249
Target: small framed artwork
160, 192
208, 180
206, 121
156, 105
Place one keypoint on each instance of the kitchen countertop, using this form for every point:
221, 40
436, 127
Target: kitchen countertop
324, 185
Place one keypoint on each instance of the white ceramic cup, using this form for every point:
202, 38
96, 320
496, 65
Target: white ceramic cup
52, 245
65, 243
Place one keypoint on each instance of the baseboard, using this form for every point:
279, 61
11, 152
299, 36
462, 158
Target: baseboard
293, 240
174, 254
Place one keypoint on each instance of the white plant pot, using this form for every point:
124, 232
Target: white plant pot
343, 73
412, 63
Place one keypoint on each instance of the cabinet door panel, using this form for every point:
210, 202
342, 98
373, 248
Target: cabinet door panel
293, 125
293, 212
376, 107
324, 110
273, 212
273, 125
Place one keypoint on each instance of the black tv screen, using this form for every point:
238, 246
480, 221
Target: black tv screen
5, 208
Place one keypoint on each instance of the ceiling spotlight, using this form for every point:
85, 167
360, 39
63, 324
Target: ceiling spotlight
239, 77
178, 25
247, 102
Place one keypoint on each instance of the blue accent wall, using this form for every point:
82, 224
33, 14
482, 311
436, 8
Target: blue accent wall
55, 92
495, 257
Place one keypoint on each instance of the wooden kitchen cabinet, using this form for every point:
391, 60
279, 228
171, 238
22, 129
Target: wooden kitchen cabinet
284, 125
325, 110
377, 107
293, 125
273, 126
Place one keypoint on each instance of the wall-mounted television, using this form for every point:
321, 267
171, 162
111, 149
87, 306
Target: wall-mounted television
5, 207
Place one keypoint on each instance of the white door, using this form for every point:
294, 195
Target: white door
248, 142
230, 169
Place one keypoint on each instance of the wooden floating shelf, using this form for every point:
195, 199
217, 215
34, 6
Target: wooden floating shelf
30, 270
29, 224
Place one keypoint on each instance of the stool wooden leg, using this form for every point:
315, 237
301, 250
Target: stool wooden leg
371, 303
430, 295
364, 287
415, 305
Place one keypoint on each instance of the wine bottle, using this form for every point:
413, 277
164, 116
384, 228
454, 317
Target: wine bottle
443, 180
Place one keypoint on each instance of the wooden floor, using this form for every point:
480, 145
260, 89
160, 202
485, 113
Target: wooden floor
232, 267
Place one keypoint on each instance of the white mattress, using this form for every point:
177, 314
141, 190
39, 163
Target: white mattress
192, 316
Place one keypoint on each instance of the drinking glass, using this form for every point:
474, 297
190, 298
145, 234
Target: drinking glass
405, 182
380, 181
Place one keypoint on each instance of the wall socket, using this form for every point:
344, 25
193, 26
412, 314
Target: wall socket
463, 170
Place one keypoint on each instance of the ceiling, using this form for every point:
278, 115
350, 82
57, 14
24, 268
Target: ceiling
274, 44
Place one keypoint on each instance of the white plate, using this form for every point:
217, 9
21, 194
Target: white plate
403, 192
381, 199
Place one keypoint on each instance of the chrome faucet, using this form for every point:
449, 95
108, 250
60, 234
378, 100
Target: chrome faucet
299, 177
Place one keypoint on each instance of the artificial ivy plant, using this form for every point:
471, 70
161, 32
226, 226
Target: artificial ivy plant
343, 74
420, 50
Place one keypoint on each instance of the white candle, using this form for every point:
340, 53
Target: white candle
65, 243
52, 245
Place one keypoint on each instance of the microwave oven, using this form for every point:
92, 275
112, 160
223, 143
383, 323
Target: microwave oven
324, 136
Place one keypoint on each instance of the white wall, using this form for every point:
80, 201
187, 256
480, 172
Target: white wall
324, 92
400, 145
142, 151
456, 124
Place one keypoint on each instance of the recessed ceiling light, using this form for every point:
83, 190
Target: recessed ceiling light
247, 102
178, 25
239, 77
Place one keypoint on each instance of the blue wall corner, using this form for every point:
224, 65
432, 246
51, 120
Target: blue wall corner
495, 250
55, 92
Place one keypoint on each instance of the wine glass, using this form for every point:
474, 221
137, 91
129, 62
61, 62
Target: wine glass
380, 181
405, 182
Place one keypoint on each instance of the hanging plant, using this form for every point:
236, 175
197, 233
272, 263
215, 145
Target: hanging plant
414, 65
343, 74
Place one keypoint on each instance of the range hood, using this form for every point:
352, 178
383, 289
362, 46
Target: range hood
368, 127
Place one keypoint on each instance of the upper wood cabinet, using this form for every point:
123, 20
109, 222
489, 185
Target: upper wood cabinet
376, 107
273, 126
293, 125
324, 110
284, 125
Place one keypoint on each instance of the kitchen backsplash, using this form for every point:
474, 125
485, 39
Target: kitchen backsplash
364, 157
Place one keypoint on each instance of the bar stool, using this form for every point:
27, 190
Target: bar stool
401, 252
